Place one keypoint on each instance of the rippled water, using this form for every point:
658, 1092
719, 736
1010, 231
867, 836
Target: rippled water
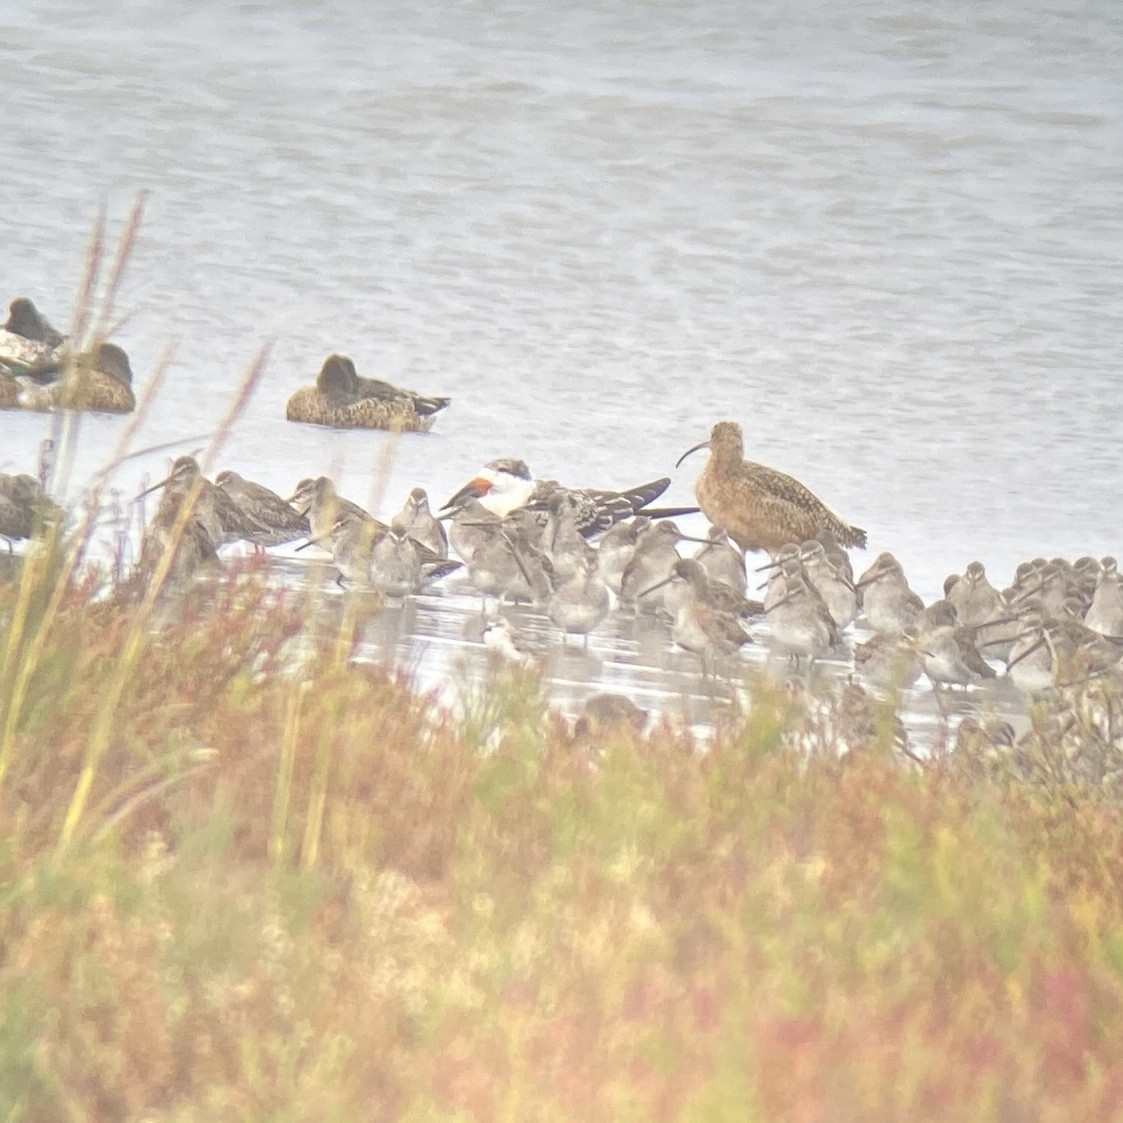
885, 238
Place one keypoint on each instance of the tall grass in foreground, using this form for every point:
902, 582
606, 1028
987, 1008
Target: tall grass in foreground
300, 890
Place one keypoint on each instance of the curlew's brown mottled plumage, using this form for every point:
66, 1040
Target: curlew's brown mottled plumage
760, 508
343, 400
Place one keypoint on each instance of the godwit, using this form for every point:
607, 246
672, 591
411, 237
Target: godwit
761, 508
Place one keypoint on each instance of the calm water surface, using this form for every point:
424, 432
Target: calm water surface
885, 238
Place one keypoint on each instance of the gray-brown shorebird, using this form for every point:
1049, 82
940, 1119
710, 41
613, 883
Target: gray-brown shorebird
275, 521
759, 507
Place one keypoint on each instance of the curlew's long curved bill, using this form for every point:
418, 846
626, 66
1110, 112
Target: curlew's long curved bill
704, 444
473, 489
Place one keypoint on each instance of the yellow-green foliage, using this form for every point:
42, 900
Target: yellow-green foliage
299, 890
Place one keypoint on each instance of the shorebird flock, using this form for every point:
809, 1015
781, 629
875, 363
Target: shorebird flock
578, 554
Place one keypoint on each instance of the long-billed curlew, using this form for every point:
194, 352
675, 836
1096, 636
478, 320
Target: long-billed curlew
759, 507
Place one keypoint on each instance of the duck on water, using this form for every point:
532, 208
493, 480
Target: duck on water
344, 400
38, 371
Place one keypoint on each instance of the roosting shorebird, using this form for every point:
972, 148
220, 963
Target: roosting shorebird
759, 507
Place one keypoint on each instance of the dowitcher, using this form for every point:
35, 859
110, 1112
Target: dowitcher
351, 540
888, 661
1059, 651
1031, 663
655, 554
580, 602
422, 525
801, 623
890, 606
318, 501
507, 484
701, 627
776, 587
838, 556
562, 540
948, 650
195, 551
100, 381
502, 555
838, 593
1048, 587
981, 745
1086, 575
975, 599
761, 508
471, 525
277, 521
400, 565
222, 519
343, 400
688, 579
1105, 613
722, 560
617, 548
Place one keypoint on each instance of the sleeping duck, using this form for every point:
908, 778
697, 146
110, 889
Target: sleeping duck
343, 400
